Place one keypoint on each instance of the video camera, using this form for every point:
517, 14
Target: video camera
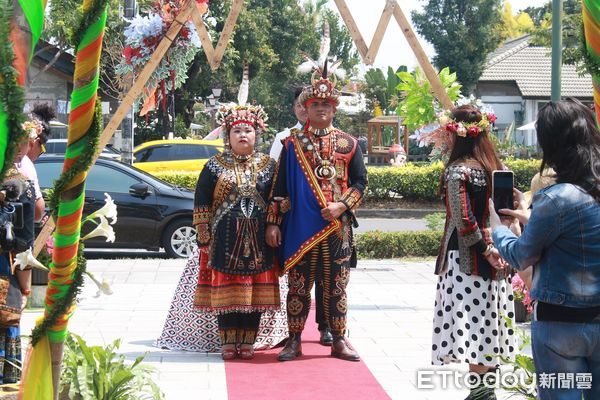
11, 213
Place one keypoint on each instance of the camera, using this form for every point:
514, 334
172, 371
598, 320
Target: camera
11, 213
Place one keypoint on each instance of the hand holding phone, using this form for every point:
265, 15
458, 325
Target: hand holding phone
502, 189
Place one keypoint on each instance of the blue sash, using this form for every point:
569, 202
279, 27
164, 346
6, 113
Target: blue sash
303, 227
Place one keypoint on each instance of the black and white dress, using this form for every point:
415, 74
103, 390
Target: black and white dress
189, 329
470, 318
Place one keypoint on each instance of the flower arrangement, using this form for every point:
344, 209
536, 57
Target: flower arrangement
142, 37
32, 128
521, 292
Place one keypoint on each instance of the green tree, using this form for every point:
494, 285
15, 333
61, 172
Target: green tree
572, 30
515, 25
382, 88
463, 33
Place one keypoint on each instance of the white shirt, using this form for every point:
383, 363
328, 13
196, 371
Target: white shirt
27, 168
277, 146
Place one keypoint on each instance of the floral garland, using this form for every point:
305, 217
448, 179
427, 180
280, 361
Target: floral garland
464, 129
142, 37
441, 134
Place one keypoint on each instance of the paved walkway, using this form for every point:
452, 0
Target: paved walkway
390, 325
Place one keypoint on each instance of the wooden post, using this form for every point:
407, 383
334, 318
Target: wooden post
215, 55
129, 99
380, 31
353, 30
368, 54
430, 73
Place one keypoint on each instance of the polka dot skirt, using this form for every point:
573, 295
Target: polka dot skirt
468, 321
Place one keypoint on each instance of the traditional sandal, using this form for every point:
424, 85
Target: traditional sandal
246, 352
228, 352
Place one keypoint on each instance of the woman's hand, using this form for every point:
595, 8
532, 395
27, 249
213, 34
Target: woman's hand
521, 211
273, 236
496, 261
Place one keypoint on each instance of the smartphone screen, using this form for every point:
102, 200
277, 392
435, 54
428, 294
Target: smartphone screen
503, 189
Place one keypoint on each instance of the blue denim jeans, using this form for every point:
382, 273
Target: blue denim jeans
563, 348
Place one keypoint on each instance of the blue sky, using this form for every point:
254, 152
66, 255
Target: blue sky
394, 50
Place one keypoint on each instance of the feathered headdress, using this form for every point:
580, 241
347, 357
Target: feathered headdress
230, 115
252, 115
322, 87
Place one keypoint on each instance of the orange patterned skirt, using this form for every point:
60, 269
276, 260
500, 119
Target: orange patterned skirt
223, 293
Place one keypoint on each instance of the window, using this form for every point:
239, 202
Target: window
56, 147
47, 173
156, 153
100, 178
192, 151
106, 179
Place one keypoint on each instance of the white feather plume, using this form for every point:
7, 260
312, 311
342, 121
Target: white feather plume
244, 87
325, 44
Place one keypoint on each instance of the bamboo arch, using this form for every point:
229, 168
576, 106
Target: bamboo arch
215, 55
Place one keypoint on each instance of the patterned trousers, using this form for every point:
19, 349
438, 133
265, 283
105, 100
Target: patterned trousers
238, 328
317, 265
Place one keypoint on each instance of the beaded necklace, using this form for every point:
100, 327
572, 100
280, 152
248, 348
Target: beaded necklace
246, 177
325, 168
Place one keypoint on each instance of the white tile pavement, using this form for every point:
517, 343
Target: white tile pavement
390, 317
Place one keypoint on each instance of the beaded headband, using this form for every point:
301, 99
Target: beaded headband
251, 115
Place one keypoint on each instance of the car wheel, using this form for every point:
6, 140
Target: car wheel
179, 239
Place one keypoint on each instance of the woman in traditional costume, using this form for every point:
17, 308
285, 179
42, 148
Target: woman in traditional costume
237, 279
474, 296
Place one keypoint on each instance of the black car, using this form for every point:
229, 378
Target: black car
151, 213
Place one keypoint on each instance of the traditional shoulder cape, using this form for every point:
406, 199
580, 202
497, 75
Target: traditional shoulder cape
303, 226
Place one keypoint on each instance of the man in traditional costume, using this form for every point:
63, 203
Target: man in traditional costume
325, 337
319, 183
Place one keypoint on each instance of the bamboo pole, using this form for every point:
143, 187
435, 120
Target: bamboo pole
380, 31
360, 43
430, 73
215, 55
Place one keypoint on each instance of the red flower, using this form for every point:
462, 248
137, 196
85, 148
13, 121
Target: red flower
491, 117
130, 52
452, 127
473, 131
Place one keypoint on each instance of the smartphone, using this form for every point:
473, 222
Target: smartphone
502, 189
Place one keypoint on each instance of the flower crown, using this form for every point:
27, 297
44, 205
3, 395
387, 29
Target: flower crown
253, 115
33, 128
470, 129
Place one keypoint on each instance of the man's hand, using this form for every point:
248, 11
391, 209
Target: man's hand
273, 236
333, 211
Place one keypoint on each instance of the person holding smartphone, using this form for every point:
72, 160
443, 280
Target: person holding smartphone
561, 239
473, 291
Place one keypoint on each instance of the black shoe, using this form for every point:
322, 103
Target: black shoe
292, 349
340, 349
326, 338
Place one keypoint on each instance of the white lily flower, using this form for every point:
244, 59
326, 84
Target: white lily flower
103, 229
103, 287
108, 210
26, 258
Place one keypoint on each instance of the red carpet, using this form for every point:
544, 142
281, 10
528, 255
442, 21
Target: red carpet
315, 375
